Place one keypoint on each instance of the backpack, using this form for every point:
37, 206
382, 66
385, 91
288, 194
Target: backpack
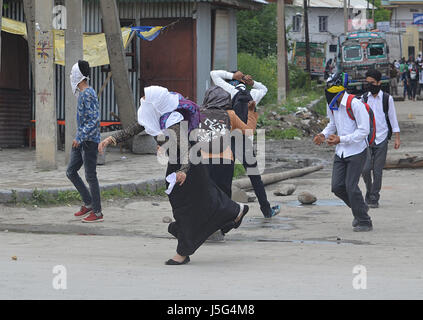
385, 102
372, 134
214, 129
240, 104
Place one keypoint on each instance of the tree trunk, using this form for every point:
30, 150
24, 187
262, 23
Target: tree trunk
123, 92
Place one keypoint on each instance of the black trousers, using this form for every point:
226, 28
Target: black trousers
345, 177
248, 159
222, 175
375, 162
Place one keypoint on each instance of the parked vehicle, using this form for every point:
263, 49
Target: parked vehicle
317, 57
360, 51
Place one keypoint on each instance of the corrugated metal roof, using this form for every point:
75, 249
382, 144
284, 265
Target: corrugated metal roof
356, 4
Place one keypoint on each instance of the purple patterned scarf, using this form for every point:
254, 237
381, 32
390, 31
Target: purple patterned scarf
189, 110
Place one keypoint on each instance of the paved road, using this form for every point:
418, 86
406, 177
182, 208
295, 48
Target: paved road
306, 252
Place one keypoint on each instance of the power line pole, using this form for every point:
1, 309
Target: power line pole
73, 53
1, 14
29, 10
282, 62
307, 40
373, 15
45, 115
345, 17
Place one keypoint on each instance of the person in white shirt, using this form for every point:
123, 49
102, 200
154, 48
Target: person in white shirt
383, 108
350, 138
235, 84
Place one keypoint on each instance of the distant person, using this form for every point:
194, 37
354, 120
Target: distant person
328, 68
403, 75
350, 138
383, 108
85, 145
393, 80
412, 76
420, 80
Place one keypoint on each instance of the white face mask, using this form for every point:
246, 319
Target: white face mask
75, 78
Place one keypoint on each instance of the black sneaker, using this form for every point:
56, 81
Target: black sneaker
355, 222
363, 228
373, 205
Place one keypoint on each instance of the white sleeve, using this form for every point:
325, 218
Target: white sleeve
331, 126
258, 91
218, 77
392, 114
363, 124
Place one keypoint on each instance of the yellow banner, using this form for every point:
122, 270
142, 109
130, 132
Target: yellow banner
95, 46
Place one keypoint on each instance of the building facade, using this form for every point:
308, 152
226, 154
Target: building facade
407, 20
325, 20
203, 37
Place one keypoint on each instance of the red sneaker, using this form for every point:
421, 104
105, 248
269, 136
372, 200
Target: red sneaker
83, 212
93, 218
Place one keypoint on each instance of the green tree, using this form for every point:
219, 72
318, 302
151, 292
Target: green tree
257, 31
381, 14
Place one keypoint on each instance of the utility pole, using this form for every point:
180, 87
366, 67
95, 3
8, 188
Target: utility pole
345, 17
29, 10
373, 15
282, 62
307, 41
45, 115
1, 14
123, 92
73, 53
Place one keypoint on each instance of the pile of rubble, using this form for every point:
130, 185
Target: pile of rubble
307, 121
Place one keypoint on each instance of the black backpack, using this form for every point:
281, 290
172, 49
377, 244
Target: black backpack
240, 104
214, 130
385, 102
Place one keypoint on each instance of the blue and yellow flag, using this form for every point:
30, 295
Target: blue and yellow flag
147, 33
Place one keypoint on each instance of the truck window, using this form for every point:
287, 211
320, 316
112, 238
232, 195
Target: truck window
376, 50
352, 53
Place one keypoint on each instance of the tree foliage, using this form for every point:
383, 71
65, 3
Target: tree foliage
257, 31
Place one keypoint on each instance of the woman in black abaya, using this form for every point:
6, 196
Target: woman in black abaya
199, 207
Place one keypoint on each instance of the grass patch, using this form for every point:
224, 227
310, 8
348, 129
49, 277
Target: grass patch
278, 134
321, 107
43, 198
239, 170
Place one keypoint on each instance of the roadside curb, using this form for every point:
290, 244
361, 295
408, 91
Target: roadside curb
21, 194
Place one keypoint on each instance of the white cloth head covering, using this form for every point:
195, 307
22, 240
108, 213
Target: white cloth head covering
76, 77
157, 102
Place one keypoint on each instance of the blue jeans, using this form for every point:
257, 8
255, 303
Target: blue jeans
85, 154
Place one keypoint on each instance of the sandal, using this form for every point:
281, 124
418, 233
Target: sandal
172, 262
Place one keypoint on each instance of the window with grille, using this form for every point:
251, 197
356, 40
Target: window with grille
323, 24
296, 23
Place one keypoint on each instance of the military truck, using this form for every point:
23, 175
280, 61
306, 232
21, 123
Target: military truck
360, 51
